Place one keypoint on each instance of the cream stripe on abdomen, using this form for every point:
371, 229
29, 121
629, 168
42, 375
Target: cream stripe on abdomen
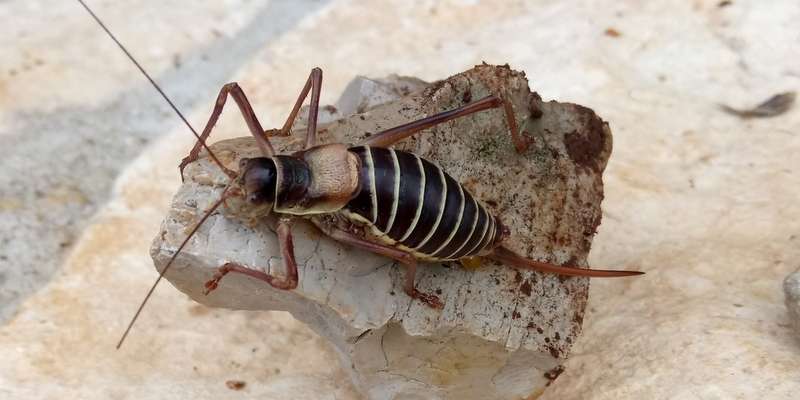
396, 196
421, 200
458, 222
441, 210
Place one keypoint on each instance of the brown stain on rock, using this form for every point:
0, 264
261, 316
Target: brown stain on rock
525, 288
534, 108
585, 146
199, 310
552, 374
235, 384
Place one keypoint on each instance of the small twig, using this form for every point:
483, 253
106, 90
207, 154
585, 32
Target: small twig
775, 105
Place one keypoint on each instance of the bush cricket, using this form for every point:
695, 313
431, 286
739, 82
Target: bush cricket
365, 195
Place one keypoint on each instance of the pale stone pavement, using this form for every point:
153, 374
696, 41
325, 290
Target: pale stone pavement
705, 202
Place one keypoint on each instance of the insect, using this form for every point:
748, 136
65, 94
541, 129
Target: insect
367, 195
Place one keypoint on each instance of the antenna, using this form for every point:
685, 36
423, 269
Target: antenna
169, 264
155, 85
208, 213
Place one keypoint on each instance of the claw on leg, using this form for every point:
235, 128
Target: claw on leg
430, 300
212, 284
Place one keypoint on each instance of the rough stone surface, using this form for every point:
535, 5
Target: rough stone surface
791, 289
705, 202
496, 321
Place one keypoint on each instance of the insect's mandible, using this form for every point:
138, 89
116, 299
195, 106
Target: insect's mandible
367, 195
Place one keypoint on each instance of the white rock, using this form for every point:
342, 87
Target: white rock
502, 334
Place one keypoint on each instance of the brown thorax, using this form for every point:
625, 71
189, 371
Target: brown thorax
322, 179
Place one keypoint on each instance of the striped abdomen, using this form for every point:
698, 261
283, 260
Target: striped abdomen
412, 204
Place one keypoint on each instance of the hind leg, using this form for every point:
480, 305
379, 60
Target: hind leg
391, 136
401, 256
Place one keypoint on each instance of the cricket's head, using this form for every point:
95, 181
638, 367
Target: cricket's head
258, 178
252, 192
264, 185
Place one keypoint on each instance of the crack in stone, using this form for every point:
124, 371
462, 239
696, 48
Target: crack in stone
459, 311
410, 300
383, 349
511, 322
393, 285
361, 336
407, 378
333, 285
314, 252
268, 267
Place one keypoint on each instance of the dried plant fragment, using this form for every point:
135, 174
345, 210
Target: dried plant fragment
775, 105
235, 385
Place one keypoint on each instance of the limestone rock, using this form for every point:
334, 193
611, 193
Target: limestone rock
502, 333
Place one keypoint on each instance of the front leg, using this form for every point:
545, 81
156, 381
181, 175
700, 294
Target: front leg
287, 252
231, 89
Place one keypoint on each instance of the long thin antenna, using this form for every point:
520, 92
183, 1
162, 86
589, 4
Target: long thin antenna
155, 85
169, 264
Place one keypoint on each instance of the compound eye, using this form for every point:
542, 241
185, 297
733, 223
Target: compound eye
259, 181
243, 163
